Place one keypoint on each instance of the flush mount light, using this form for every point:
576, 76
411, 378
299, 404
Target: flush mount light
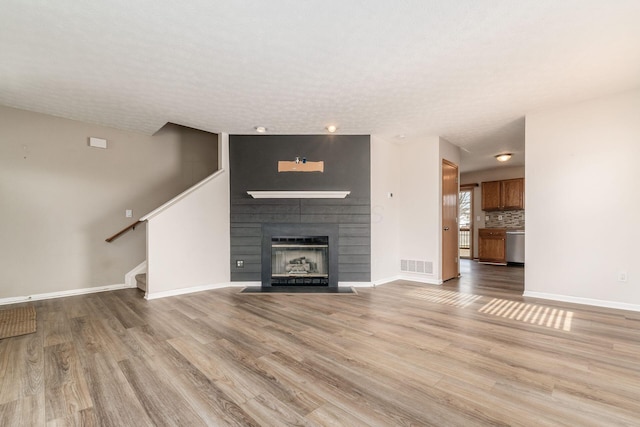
260, 129
400, 139
331, 128
503, 157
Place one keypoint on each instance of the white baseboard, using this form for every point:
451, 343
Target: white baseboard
130, 277
426, 280
386, 280
584, 301
355, 284
182, 291
62, 294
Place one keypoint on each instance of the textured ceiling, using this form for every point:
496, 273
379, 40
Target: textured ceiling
466, 70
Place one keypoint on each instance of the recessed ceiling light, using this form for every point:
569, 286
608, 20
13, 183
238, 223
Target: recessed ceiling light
332, 128
260, 129
503, 157
401, 136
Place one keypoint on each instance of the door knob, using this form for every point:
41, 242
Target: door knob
446, 229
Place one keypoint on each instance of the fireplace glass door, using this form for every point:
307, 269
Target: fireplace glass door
300, 260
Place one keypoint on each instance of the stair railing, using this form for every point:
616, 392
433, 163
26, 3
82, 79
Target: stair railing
123, 231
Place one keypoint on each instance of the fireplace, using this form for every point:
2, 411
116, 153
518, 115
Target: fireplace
300, 255
300, 260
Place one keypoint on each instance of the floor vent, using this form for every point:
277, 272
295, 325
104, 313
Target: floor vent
416, 266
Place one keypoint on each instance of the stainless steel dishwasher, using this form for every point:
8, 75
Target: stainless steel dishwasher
515, 246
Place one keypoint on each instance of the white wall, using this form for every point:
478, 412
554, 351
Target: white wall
407, 226
60, 200
478, 177
188, 243
419, 204
199, 157
385, 171
583, 202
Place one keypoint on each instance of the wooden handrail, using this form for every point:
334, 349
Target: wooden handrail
124, 230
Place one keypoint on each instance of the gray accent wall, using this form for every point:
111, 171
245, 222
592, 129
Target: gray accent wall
253, 164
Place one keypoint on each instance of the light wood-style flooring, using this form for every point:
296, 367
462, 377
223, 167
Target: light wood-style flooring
470, 352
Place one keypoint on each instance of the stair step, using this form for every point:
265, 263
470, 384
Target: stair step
141, 280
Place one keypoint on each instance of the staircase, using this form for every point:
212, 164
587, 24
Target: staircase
141, 280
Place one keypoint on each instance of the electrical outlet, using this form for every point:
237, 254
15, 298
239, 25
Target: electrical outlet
500, 217
622, 276
239, 263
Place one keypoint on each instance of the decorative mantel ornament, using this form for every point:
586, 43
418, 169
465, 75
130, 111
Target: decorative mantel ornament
300, 165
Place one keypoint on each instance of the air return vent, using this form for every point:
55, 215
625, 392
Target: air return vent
416, 266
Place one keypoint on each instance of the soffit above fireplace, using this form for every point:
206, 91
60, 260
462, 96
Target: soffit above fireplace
298, 194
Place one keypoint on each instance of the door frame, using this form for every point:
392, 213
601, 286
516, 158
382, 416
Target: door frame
472, 189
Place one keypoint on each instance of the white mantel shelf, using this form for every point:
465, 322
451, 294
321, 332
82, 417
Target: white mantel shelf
298, 194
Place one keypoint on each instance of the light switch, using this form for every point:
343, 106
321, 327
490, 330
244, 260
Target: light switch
128, 213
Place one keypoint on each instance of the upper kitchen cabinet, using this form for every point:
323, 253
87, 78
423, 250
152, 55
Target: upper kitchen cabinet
513, 194
491, 195
503, 195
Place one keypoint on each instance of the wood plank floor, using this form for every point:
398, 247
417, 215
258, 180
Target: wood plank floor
471, 352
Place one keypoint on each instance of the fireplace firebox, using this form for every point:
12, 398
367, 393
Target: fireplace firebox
299, 260
299, 255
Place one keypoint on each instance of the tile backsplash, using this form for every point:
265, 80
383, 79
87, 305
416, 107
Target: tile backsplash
510, 219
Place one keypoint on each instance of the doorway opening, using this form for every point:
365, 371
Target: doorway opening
465, 222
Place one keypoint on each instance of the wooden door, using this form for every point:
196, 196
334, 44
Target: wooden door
450, 190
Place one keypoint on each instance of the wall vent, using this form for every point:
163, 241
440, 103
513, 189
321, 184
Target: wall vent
416, 266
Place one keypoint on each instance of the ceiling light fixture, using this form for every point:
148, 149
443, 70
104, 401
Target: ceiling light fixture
503, 157
260, 129
331, 128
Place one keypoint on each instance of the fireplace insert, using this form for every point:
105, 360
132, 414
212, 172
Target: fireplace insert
299, 260
299, 255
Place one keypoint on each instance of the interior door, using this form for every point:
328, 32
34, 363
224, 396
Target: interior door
450, 188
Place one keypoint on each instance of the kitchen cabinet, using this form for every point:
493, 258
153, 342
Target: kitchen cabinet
492, 245
491, 196
503, 195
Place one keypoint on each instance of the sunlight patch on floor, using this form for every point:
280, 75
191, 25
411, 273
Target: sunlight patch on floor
441, 296
530, 313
